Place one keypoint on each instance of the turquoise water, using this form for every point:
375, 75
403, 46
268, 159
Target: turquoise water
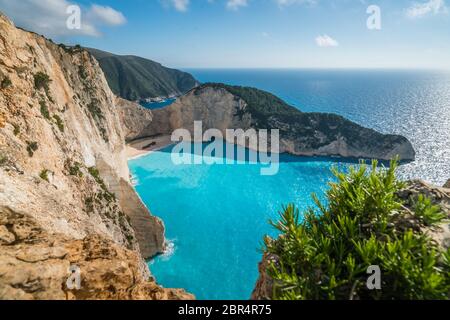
157, 105
216, 217
415, 104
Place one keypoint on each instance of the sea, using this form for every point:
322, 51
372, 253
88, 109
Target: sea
216, 216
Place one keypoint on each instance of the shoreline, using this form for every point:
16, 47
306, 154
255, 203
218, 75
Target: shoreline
146, 146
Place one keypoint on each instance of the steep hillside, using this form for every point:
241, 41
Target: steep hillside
135, 78
309, 134
65, 196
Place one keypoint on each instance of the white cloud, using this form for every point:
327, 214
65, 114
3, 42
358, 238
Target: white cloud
284, 3
418, 10
108, 15
326, 41
236, 4
49, 17
179, 5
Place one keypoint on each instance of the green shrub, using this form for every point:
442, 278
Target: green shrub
44, 175
59, 122
44, 110
70, 50
82, 72
93, 171
95, 111
41, 81
16, 129
3, 160
32, 147
74, 170
6, 82
104, 134
89, 203
325, 253
108, 196
427, 212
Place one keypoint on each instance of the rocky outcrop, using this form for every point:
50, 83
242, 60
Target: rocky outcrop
149, 232
439, 196
447, 184
63, 165
307, 134
264, 285
134, 118
409, 195
34, 264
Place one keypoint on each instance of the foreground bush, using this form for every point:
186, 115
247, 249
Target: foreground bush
325, 253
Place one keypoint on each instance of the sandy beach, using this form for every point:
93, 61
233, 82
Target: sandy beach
145, 146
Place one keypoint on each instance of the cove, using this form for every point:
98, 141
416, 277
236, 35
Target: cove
217, 215
159, 104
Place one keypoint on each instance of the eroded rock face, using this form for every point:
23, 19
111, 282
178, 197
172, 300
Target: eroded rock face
63, 166
447, 184
36, 265
264, 285
307, 134
134, 118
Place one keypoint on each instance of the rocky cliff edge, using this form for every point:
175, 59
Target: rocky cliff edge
65, 195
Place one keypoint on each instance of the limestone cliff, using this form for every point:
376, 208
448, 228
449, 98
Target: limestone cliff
133, 117
308, 134
34, 264
64, 178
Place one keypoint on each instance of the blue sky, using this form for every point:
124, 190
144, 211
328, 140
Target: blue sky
252, 33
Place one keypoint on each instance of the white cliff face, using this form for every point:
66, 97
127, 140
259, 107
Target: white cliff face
133, 117
305, 134
216, 108
62, 154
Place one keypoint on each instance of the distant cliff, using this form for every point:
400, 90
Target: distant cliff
307, 134
135, 78
65, 194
